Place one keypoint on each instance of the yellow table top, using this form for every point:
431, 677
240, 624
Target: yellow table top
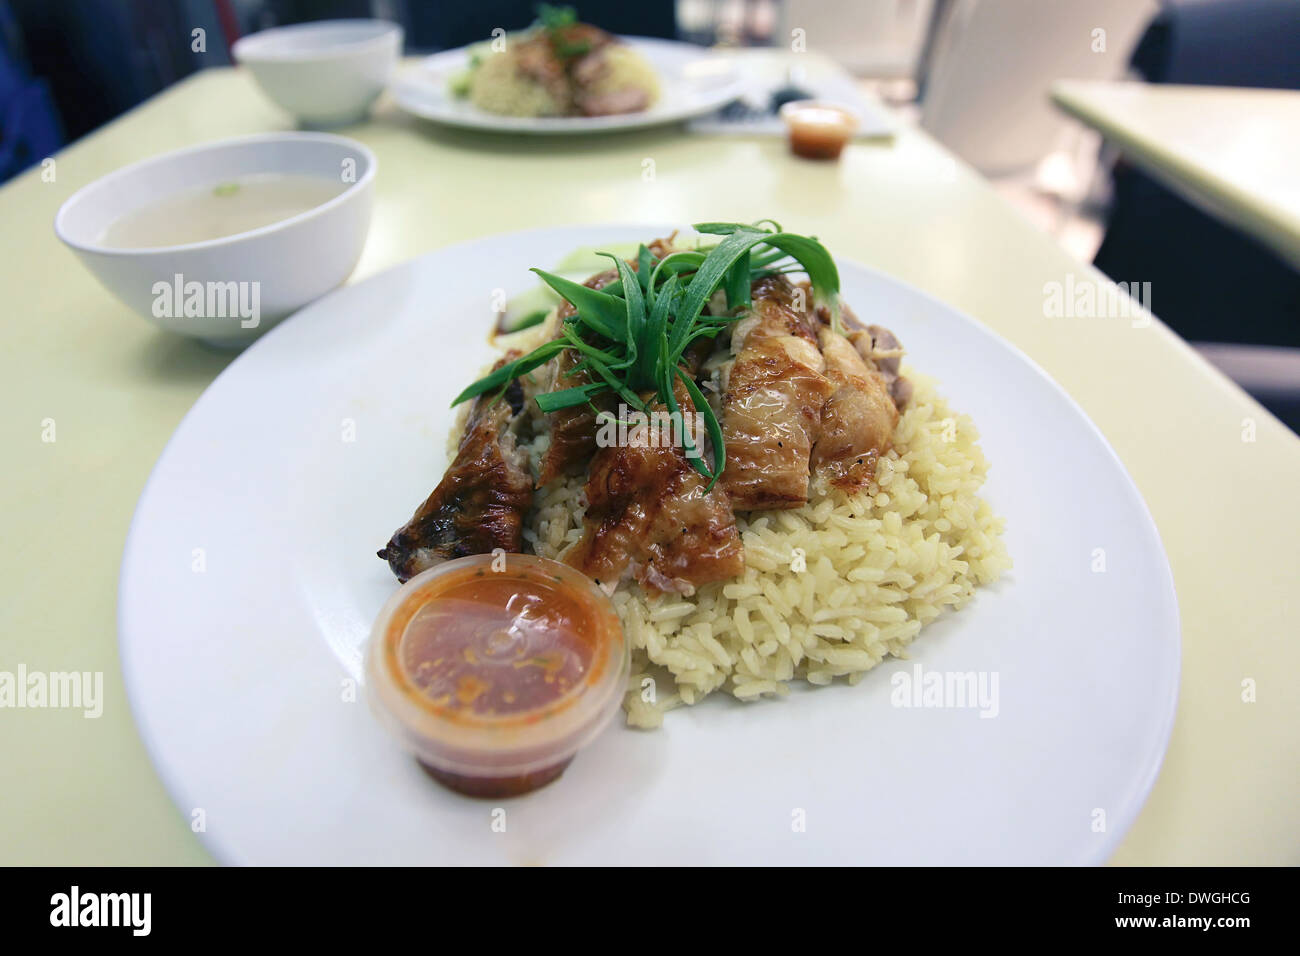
82, 791
1231, 151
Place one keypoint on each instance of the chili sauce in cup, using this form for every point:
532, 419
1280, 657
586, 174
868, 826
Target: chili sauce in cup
818, 130
495, 670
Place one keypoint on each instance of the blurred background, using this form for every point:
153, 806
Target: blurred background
974, 74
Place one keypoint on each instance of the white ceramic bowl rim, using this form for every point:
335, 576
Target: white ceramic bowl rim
366, 175
316, 38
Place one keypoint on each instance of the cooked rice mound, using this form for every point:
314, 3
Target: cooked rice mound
829, 590
498, 87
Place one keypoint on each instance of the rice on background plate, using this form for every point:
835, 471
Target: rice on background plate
830, 589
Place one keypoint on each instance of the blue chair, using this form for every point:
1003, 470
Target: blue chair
29, 122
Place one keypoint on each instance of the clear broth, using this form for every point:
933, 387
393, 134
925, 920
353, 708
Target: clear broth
217, 211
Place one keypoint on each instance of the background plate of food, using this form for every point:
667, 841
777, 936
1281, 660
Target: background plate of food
567, 77
939, 629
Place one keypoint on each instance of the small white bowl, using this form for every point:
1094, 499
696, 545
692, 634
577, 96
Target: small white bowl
286, 264
326, 73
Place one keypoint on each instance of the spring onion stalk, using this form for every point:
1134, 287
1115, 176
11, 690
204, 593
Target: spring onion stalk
630, 336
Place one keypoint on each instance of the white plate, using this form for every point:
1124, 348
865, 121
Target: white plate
249, 583
693, 81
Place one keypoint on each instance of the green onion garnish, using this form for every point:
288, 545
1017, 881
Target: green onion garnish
631, 335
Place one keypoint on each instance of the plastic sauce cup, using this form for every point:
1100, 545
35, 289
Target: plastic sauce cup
495, 670
818, 130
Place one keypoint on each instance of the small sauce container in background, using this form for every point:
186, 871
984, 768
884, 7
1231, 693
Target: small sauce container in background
495, 671
818, 130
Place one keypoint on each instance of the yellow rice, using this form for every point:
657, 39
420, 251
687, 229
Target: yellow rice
830, 589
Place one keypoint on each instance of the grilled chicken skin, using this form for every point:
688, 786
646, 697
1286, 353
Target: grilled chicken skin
857, 421
773, 395
549, 57
480, 503
798, 399
649, 514
573, 430
880, 348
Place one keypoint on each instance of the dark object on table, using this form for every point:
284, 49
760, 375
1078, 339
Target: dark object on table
29, 123
99, 59
445, 26
788, 94
1252, 43
1210, 281
748, 110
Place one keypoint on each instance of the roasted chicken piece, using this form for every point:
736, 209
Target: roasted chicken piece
573, 430
857, 421
571, 62
773, 395
550, 57
648, 513
629, 99
577, 39
480, 503
880, 348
